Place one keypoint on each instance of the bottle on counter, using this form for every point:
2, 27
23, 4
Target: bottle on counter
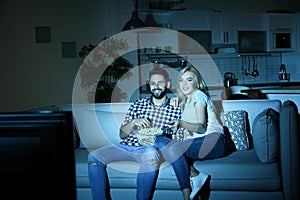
283, 75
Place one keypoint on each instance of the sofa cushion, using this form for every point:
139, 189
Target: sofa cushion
91, 123
241, 170
122, 174
236, 122
265, 131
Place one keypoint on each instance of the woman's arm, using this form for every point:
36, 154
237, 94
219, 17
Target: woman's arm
201, 116
194, 127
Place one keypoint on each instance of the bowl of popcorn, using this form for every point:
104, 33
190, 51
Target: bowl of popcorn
147, 136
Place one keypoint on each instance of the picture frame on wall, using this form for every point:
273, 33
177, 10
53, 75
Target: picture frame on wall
42, 34
68, 49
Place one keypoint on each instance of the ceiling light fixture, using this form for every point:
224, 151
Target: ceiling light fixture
134, 21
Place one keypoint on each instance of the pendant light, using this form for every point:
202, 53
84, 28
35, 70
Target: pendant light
134, 21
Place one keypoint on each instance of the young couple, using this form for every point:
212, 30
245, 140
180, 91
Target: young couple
197, 135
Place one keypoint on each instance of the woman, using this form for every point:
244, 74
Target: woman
200, 135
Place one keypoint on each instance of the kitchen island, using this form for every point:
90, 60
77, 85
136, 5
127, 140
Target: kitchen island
282, 92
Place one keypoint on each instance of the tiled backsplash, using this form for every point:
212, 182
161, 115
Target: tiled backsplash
268, 66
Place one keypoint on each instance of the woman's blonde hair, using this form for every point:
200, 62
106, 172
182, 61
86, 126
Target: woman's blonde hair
200, 83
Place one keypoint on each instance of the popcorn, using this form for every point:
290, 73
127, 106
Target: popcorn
147, 136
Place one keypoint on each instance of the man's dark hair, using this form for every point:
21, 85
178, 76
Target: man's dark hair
161, 71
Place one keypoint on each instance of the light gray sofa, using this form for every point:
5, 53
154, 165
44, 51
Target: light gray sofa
239, 175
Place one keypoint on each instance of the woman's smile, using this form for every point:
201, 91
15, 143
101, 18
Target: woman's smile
187, 83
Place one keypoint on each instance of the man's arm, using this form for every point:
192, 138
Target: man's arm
126, 129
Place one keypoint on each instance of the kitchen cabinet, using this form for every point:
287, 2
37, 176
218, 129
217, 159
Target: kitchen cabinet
251, 22
179, 20
282, 32
223, 26
282, 21
216, 93
190, 20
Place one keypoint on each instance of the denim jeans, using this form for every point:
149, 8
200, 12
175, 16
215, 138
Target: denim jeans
98, 159
177, 153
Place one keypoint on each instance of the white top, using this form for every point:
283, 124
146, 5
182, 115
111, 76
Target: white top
189, 113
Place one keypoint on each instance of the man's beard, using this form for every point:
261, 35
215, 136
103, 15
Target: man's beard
159, 93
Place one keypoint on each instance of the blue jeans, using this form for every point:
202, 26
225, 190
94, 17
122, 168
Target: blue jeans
209, 147
98, 159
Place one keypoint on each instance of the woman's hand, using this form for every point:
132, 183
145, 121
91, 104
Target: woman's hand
174, 102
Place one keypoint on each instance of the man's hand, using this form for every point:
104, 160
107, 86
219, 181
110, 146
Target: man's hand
173, 125
138, 122
142, 122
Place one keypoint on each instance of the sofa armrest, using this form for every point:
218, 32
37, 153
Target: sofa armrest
289, 150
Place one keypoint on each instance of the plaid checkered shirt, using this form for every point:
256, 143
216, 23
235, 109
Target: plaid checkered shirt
159, 116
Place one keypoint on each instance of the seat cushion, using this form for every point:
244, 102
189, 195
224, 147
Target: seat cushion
120, 177
241, 170
122, 173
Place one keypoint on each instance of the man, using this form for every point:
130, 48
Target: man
154, 111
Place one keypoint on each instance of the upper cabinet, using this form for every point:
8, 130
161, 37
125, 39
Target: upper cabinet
251, 22
190, 20
282, 32
282, 21
214, 30
178, 20
223, 27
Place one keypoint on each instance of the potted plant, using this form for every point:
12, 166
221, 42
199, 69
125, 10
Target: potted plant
103, 87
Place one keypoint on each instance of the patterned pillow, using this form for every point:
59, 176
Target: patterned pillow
236, 122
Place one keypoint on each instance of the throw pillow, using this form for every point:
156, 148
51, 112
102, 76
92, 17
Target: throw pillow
236, 122
265, 131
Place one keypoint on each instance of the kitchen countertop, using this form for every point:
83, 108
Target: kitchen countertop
259, 90
272, 84
274, 90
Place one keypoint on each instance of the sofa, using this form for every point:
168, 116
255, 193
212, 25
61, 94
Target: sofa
267, 167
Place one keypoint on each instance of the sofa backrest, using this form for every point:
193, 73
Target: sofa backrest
253, 107
290, 149
98, 124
